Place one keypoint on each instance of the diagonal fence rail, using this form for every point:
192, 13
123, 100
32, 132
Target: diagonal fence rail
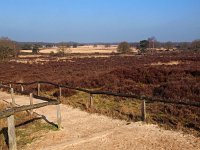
9, 113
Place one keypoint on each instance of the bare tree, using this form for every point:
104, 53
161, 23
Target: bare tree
195, 45
63, 49
152, 41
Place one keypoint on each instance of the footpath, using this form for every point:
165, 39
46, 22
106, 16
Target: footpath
83, 131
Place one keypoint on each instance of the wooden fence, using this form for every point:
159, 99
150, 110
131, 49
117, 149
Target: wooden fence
186, 102
10, 112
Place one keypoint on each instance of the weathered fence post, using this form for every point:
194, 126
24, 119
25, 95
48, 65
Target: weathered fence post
58, 109
31, 102
143, 110
1, 84
38, 92
60, 93
11, 133
90, 103
12, 96
58, 116
22, 88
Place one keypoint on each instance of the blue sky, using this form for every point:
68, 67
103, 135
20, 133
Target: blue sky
100, 20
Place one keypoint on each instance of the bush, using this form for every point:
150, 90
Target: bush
35, 49
52, 53
107, 45
144, 44
8, 49
26, 47
123, 47
75, 45
60, 53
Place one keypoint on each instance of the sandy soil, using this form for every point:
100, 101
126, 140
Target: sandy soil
83, 49
167, 63
83, 131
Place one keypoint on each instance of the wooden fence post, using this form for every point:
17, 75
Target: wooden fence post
22, 88
12, 96
60, 93
1, 84
38, 89
58, 116
143, 110
90, 104
11, 133
31, 102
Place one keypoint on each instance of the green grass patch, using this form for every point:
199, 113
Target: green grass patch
28, 128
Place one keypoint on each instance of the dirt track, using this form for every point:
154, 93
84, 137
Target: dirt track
83, 131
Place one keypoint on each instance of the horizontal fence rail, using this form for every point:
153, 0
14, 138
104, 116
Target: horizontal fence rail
139, 97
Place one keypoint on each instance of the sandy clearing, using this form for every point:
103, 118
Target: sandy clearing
83, 131
166, 63
79, 49
82, 49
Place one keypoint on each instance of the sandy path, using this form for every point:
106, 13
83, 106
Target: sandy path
83, 131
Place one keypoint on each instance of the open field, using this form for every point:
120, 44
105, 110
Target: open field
83, 49
166, 75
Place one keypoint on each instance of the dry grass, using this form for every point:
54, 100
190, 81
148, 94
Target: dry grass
129, 110
28, 129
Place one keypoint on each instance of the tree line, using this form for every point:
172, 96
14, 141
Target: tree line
152, 44
10, 49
